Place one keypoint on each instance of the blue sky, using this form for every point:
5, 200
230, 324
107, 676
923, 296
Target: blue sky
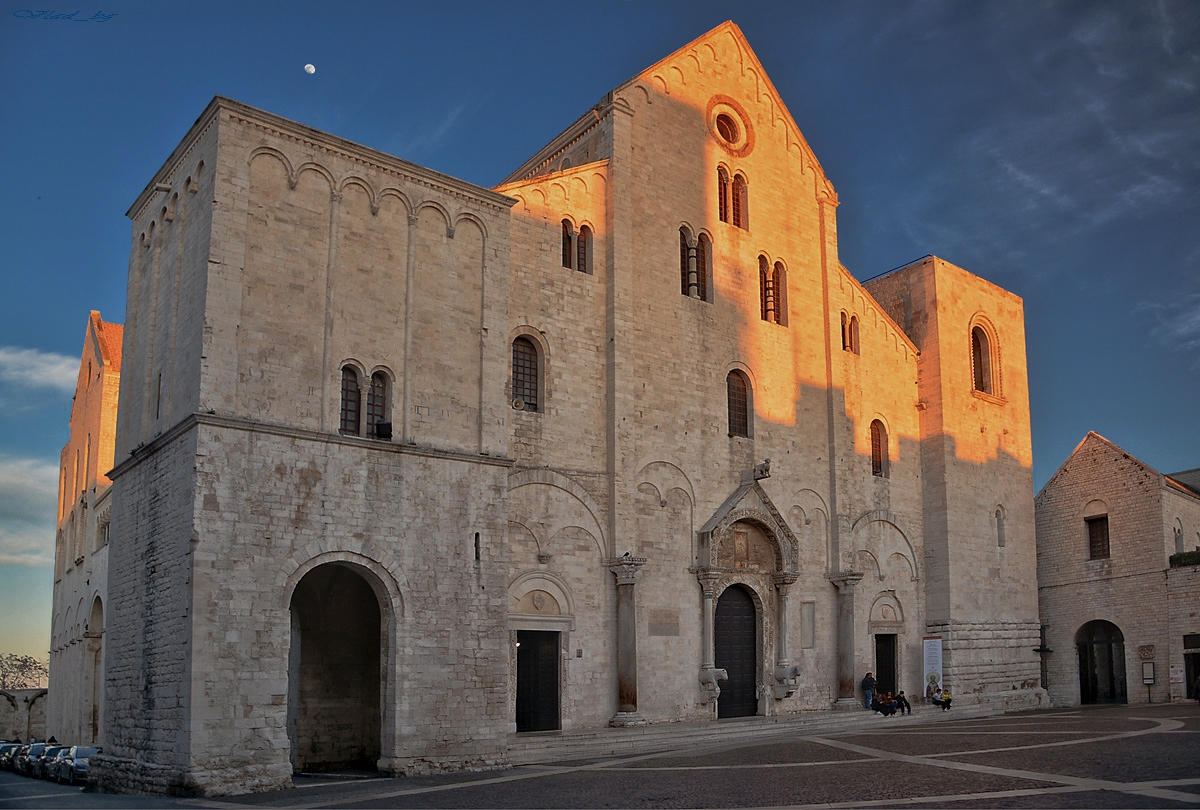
1050, 147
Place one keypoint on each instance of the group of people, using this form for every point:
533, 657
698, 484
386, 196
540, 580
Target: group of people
888, 704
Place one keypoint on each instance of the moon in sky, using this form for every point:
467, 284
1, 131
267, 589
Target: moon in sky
309, 69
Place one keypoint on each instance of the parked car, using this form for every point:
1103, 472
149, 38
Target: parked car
7, 752
39, 766
73, 767
24, 756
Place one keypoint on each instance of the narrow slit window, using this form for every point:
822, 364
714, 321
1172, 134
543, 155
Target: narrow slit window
703, 257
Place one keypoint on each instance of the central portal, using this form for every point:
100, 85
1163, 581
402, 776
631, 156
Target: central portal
735, 636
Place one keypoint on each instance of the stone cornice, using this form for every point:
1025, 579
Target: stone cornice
140, 453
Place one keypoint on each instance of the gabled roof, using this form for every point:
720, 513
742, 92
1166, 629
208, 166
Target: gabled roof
1168, 481
750, 63
108, 340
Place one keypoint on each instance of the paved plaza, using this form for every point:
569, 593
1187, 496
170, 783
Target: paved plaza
1123, 756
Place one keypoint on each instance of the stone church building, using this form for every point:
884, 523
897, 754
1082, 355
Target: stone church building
406, 466
75, 700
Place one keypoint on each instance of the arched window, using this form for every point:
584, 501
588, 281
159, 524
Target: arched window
738, 389
722, 194
567, 243
351, 401
779, 288
525, 374
854, 346
766, 290
703, 270
845, 333
685, 273
1000, 538
377, 396
981, 361
583, 247
879, 450
741, 203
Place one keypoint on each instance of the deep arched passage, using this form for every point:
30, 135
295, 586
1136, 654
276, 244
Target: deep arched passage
735, 637
334, 670
1101, 649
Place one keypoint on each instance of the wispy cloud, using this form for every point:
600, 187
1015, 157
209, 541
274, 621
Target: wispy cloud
28, 496
408, 146
32, 368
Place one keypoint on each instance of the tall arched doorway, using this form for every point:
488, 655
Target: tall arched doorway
1101, 650
334, 671
735, 638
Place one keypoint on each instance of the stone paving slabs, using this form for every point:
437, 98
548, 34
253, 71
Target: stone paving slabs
1115, 757
781, 752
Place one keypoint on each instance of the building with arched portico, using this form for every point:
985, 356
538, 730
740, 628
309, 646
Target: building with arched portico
1118, 579
427, 465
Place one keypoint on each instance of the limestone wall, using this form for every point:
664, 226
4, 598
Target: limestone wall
1132, 586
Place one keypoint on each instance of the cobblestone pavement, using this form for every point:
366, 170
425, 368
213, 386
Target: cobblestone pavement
1121, 757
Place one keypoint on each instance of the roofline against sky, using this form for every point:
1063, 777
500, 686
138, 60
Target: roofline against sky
319, 137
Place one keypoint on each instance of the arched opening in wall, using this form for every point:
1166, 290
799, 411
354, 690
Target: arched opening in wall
735, 638
981, 361
334, 671
95, 653
1101, 648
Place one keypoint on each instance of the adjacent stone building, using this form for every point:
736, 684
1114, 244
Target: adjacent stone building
408, 465
75, 702
1116, 586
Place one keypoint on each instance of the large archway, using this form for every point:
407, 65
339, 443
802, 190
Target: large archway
334, 670
1101, 649
736, 642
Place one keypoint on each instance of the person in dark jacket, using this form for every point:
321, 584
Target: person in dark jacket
868, 687
902, 704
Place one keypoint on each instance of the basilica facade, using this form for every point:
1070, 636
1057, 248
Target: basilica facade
406, 466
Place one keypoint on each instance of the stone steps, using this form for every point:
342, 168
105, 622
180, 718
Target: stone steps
543, 747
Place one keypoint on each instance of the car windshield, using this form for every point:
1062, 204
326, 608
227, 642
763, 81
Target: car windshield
84, 753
